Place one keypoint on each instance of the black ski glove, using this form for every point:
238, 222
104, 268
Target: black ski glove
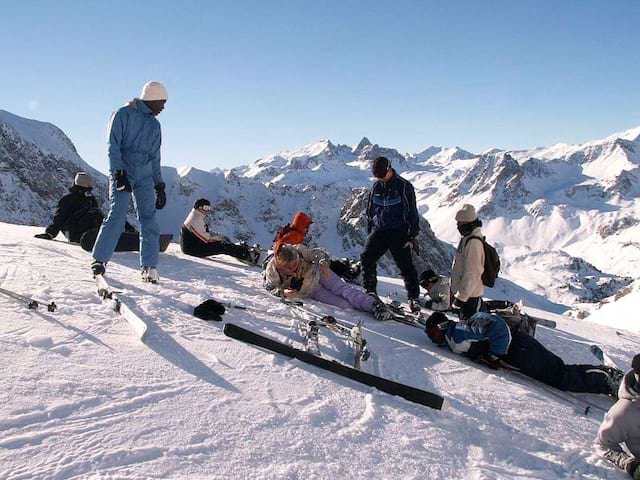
161, 197
296, 284
44, 236
457, 304
122, 182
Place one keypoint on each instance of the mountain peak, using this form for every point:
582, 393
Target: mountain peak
363, 143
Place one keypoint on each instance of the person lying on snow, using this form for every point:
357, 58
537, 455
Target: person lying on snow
438, 289
487, 338
196, 239
622, 425
296, 271
77, 212
295, 232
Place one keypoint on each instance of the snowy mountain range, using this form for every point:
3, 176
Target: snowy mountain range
565, 217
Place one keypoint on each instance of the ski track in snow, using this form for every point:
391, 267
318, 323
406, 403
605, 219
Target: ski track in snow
84, 399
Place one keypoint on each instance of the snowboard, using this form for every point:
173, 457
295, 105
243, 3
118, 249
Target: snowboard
128, 242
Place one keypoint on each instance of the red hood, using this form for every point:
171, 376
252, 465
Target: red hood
301, 222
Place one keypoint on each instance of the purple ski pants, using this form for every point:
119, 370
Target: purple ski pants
335, 291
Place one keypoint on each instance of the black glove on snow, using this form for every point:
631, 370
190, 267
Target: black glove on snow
161, 197
122, 182
209, 310
44, 236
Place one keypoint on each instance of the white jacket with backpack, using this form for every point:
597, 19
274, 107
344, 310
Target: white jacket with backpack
468, 266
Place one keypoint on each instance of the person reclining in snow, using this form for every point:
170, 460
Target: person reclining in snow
77, 211
622, 425
295, 233
487, 338
197, 241
438, 290
296, 271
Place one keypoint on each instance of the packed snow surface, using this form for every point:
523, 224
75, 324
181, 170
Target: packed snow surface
82, 398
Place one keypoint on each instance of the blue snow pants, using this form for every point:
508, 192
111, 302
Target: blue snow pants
144, 198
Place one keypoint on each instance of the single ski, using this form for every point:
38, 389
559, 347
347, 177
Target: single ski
31, 303
109, 294
407, 392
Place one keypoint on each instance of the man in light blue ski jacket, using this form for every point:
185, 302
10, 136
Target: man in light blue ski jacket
134, 165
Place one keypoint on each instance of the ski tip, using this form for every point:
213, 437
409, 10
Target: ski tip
446, 405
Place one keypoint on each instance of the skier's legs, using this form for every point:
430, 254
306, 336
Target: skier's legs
233, 250
323, 295
402, 256
357, 298
534, 360
145, 201
375, 247
112, 227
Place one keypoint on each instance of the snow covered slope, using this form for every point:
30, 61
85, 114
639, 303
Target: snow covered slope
81, 398
37, 166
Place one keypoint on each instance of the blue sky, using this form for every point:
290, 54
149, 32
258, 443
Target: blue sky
247, 79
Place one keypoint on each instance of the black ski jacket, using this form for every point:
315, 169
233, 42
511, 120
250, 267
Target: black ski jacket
77, 212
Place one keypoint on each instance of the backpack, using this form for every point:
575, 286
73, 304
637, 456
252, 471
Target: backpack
491, 262
516, 319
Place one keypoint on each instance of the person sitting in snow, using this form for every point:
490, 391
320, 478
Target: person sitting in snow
621, 425
76, 213
197, 241
487, 338
296, 271
295, 233
438, 290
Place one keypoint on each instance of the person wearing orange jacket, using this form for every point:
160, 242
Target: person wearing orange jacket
294, 234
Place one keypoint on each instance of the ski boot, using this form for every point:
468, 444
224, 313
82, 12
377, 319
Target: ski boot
381, 312
150, 275
98, 268
414, 305
614, 379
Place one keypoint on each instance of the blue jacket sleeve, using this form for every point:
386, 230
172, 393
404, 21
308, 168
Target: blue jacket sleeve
155, 158
114, 141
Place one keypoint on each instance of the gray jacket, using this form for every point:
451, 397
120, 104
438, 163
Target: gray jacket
621, 424
309, 271
440, 294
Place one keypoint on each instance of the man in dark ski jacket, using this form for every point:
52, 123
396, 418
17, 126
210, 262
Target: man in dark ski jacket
77, 211
487, 338
621, 425
392, 224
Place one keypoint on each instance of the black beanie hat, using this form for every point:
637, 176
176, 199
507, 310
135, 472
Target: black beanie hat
428, 276
209, 310
635, 364
379, 167
201, 202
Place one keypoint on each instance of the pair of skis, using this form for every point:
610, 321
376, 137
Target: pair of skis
310, 329
30, 303
407, 392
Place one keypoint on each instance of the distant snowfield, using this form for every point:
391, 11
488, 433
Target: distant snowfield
81, 398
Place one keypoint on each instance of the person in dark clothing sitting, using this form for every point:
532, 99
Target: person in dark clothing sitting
486, 338
196, 240
77, 211
392, 224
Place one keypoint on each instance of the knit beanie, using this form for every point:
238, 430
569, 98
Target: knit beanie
379, 167
635, 364
201, 202
466, 214
153, 91
83, 180
428, 276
